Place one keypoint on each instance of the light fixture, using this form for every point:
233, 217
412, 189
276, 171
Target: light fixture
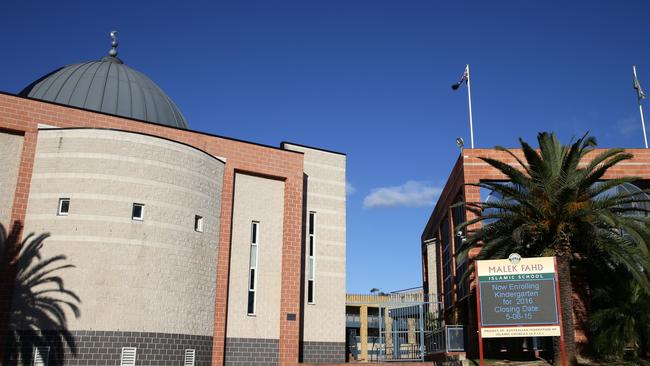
460, 142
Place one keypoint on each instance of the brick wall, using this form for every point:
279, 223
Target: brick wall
23, 116
251, 351
323, 352
105, 348
470, 169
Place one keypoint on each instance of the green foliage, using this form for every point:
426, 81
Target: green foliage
557, 203
553, 205
620, 317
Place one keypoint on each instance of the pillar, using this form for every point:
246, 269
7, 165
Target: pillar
364, 332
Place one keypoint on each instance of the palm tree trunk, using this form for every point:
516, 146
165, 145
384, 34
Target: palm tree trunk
566, 304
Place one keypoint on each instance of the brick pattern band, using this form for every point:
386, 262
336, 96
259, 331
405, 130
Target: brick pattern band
105, 348
323, 352
251, 351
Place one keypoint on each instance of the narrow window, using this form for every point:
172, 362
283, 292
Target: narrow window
252, 272
189, 357
128, 356
311, 259
41, 356
138, 212
64, 207
198, 223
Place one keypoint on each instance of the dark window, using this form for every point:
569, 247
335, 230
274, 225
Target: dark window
310, 291
198, 223
311, 259
138, 211
251, 302
252, 267
64, 206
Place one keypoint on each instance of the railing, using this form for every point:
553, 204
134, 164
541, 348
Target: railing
354, 321
449, 338
398, 298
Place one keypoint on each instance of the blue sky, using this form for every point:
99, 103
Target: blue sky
367, 77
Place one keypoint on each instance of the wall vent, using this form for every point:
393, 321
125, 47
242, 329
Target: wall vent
189, 357
41, 355
128, 356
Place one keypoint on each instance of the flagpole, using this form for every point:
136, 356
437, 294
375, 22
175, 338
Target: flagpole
645, 138
469, 100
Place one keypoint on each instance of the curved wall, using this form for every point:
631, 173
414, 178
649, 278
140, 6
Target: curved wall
157, 275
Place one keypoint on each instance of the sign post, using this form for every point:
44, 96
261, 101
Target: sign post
518, 297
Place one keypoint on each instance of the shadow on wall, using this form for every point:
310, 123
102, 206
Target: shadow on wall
36, 325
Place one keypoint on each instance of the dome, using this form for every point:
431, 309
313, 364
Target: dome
108, 86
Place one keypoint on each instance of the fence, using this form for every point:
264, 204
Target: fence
410, 328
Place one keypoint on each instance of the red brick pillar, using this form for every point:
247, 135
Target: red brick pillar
18, 212
223, 268
291, 265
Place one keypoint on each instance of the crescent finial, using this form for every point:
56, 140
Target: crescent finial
113, 51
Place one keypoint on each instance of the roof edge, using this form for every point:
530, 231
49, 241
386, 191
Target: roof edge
150, 123
310, 147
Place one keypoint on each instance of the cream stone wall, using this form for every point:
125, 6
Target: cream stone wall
155, 275
432, 270
262, 200
10, 151
325, 319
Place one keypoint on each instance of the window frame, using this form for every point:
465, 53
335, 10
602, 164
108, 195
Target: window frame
59, 211
311, 258
137, 218
253, 269
198, 223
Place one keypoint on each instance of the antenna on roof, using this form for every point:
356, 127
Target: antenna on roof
113, 51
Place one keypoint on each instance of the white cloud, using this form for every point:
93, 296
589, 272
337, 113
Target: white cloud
349, 189
410, 194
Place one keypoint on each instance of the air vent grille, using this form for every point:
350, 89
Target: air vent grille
128, 356
189, 357
41, 355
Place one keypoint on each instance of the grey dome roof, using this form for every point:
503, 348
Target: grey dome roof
107, 86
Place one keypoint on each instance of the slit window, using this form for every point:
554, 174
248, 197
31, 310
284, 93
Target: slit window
128, 357
64, 207
198, 223
138, 212
252, 268
311, 259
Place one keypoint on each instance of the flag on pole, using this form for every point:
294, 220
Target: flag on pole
637, 86
463, 79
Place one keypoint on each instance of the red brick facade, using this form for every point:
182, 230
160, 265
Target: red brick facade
20, 115
470, 169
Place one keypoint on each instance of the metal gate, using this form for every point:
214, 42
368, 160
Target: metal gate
404, 329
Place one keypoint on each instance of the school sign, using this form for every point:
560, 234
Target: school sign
518, 297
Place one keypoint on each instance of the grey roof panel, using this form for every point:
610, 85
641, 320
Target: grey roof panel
111, 91
108, 86
123, 93
78, 95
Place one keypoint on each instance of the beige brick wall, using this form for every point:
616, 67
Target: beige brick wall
432, 269
155, 275
325, 319
256, 199
10, 150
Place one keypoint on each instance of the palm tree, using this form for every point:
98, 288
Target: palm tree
39, 301
621, 315
557, 204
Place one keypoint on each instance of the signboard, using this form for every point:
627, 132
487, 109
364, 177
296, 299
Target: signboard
518, 297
